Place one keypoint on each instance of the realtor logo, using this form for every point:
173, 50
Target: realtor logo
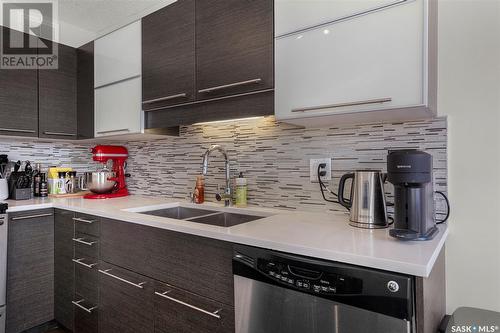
29, 34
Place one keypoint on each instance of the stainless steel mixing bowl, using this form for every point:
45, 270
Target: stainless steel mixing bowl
99, 182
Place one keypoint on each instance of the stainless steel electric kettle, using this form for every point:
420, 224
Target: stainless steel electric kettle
367, 199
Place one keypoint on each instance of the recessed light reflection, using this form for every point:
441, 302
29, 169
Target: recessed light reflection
326, 31
300, 36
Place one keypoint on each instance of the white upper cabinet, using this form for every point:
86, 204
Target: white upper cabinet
293, 15
118, 55
369, 62
118, 82
118, 108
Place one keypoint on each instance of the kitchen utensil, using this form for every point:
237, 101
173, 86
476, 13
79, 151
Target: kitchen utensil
102, 182
367, 199
410, 171
17, 166
4, 189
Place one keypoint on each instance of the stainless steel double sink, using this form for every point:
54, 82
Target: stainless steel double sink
204, 216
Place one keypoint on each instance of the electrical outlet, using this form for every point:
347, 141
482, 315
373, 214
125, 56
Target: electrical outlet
313, 169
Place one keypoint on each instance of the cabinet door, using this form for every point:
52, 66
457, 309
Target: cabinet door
200, 265
168, 55
291, 16
64, 275
234, 47
57, 97
18, 100
179, 311
118, 108
118, 55
85, 91
125, 301
30, 269
366, 63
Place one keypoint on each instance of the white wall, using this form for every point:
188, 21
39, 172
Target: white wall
469, 93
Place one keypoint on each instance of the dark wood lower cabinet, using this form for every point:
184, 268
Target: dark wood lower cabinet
179, 311
198, 264
86, 316
30, 270
64, 273
125, 301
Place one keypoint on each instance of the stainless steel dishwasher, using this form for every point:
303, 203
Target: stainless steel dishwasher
282, 293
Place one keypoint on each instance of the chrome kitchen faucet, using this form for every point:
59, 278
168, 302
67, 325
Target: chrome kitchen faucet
227, 191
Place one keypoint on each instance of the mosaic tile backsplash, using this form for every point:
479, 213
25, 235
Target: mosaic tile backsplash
273, 156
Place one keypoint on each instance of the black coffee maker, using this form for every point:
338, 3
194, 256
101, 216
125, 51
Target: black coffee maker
410, 171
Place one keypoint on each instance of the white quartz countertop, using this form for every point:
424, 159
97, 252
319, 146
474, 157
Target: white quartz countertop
319, 235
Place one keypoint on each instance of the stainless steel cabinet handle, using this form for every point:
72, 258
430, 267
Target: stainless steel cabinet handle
78, 304
80, 262
30, 217
113, 131
78, 219
164, 98
137, 285
16, 130
214, 314
59, 134
83, 241
339, 105
241, 83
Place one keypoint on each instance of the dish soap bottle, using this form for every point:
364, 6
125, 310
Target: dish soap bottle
199, 190
241, 191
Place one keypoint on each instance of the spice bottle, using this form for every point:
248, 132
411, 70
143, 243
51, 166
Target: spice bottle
199, 190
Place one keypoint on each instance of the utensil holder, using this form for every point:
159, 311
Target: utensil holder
4, 189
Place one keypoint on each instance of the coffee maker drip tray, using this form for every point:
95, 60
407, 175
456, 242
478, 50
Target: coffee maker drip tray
411, 235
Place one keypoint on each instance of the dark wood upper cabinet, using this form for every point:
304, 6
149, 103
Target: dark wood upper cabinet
18, 100
168, 55
234, 47
85, 91
57, 97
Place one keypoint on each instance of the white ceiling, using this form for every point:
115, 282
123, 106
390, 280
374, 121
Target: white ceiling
82, 21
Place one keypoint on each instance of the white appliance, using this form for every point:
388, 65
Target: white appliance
3, 264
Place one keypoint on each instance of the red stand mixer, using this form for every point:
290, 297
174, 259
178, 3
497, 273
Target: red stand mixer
107, 184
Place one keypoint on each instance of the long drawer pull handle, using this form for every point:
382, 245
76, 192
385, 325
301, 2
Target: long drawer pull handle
77, 303
114, 131
80, 262
16, 130
78, 219
214, 314
83, 241
236, 84
59, 134
137, 285
164, 98
30, 217
339, 105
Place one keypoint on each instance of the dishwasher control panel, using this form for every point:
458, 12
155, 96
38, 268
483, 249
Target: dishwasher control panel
308, 280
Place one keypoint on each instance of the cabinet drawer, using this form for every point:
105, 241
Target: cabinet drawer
86, 246
125, 301
86, 224
180, 311
86, 315
200, 265
86, 279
